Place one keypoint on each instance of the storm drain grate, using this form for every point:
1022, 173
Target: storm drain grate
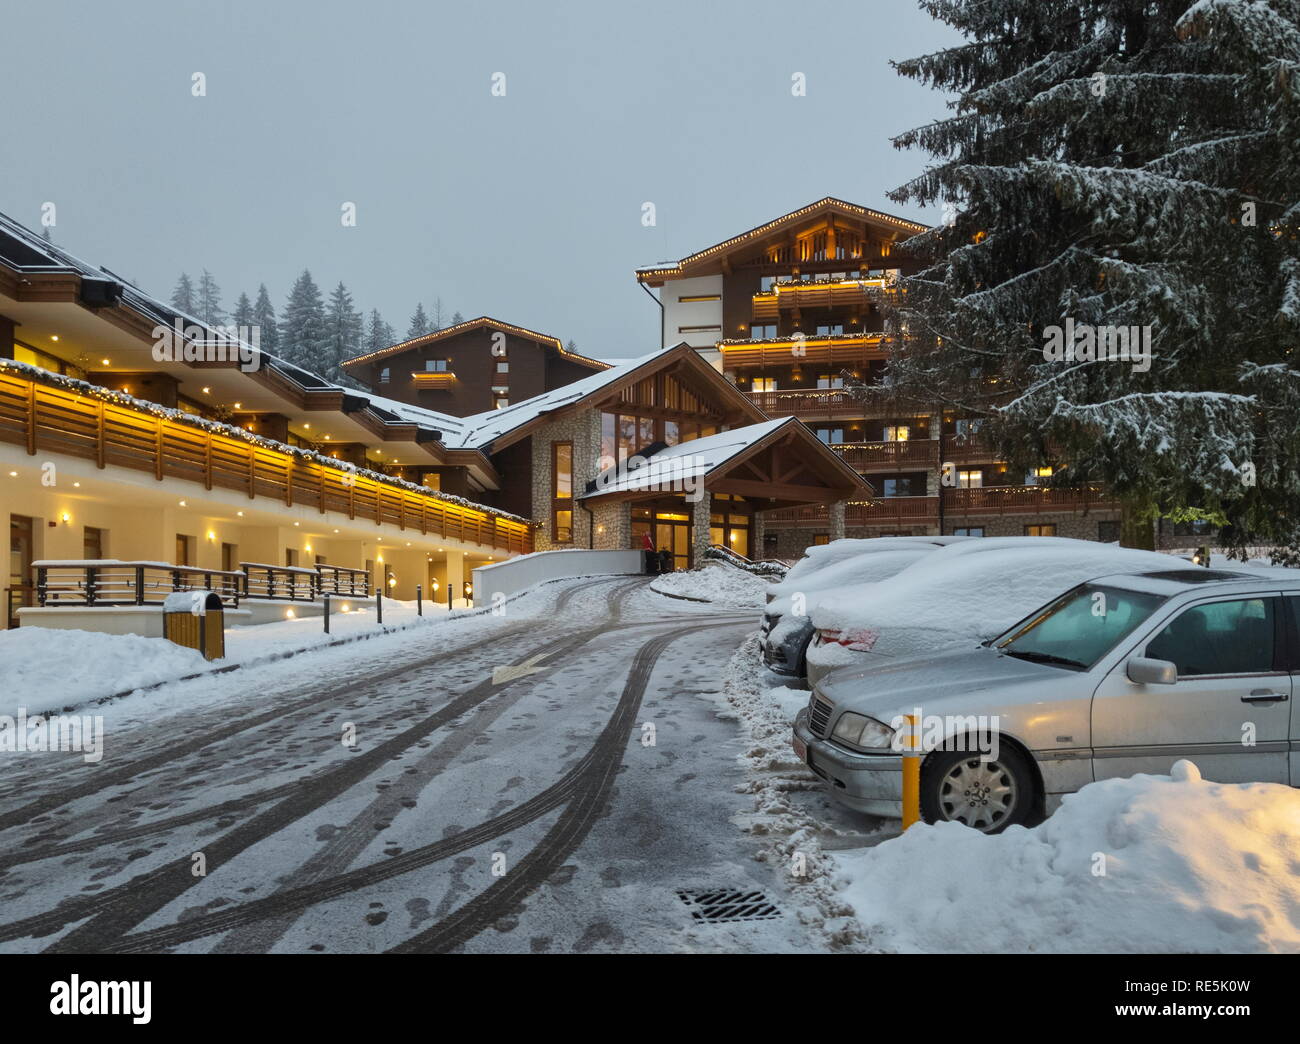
728, 904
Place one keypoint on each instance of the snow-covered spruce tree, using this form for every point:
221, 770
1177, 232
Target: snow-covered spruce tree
379, 334
1116, 164
209, 300
268, 330
302, 327
182, 298
419, 324
243, 313
343, 325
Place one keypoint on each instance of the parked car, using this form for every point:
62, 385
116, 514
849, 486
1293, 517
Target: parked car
961, 594
787, 628
1122, 674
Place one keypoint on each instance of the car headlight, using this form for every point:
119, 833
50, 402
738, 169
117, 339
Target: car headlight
857, 730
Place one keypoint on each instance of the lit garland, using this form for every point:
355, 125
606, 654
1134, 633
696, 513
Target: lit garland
117, 398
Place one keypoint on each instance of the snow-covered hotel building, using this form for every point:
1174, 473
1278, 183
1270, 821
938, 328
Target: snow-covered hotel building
142, 451
783, 312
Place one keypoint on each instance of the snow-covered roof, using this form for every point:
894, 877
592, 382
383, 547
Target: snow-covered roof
686, 461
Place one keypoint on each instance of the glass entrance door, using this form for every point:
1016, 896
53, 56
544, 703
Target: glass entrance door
673, 531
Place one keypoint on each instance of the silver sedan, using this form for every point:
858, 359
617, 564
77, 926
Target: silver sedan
1121, 675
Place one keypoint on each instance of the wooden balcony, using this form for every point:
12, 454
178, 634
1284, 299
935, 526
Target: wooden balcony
884, 511
851, 349
789, 297
818, 403
913, 455
1025, 500
47, 417
433, 378
968, 449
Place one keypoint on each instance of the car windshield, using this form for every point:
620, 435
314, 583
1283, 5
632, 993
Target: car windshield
1080, 627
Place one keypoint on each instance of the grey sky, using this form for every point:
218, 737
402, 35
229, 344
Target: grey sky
526, 207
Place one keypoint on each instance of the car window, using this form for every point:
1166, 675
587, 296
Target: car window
1233, 637
1080, 627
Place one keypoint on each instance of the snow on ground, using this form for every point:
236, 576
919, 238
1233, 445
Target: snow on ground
1187, 866
718, 582
796, 821
48, 669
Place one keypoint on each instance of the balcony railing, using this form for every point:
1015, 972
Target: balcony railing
109, 582
1020, 500
433, 378
823, 403
846, 349
882, 511
967, 449
789, 296
287, 583
890, 456
48, 418
340, 580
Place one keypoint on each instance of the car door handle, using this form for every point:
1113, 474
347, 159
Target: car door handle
1265, 696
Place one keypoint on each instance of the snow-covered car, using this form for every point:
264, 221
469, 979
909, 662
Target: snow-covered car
1123, 674
960, 594
787, 628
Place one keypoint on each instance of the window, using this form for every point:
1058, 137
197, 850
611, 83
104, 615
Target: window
831, 436
1234, 637
819, 539
903, 486
830, 380
291, 556
830, 329
435, 365
897, 433
184, 549
1072, 633
432, 480
763, 384
608, 441
762, 331
1108, 532
503, 366
688, 298
966, 429
699, 329
1038, 476
671, 434
93, 543
970, 478
383, 375
500, 402
562, 492
765, 283
1042, 529
969, 531
229, 557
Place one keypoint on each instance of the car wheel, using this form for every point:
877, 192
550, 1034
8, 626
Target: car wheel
961, 787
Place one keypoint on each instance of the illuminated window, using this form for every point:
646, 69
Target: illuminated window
971, 478
763, 384
1045, 529
897, 433
830, 380
1038, 476
501, 403
562, 492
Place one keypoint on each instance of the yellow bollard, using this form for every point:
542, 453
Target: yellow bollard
911, 771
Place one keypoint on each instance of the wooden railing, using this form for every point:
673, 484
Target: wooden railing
1019, 500
825, 403
883, 511
868, 456
109, 582
51, 419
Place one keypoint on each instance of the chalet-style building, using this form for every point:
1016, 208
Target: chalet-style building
477, 365
785, 312
141, 451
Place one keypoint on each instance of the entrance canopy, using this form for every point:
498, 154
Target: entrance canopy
775, 464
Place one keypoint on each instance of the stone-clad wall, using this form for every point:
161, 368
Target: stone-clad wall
583, 430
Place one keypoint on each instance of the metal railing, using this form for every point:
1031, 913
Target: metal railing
109, 582
340, 580
279, 583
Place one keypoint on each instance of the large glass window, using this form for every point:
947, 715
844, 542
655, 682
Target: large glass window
1080, 627
562, 492
1233, 637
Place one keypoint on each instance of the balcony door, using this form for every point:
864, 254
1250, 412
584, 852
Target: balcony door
21, 537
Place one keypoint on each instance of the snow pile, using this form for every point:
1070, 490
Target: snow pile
45, 669
966, 592
717, 582
1161, 864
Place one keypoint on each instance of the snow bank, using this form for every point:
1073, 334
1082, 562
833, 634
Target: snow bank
968, 591
1149, 864
717, 582
45, 669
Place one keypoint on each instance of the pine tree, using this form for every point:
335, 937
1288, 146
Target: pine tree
209, 300
379, 334
419, 325
302, 328
343, 325
243, 313
264, 320
456, 319
183, 299
1116, 164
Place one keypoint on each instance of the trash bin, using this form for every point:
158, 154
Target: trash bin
665, 561
196, 620
651, 562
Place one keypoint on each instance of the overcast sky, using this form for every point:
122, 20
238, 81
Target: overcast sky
526, 207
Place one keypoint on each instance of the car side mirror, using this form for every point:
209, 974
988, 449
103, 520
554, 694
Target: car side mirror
1151, 672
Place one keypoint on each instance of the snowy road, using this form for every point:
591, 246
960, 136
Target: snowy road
543, 781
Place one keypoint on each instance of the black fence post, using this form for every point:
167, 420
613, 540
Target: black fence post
327, 612
419, 600
379, 607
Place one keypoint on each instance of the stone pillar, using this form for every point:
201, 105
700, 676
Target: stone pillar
700, 522
837, 520
757, 531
